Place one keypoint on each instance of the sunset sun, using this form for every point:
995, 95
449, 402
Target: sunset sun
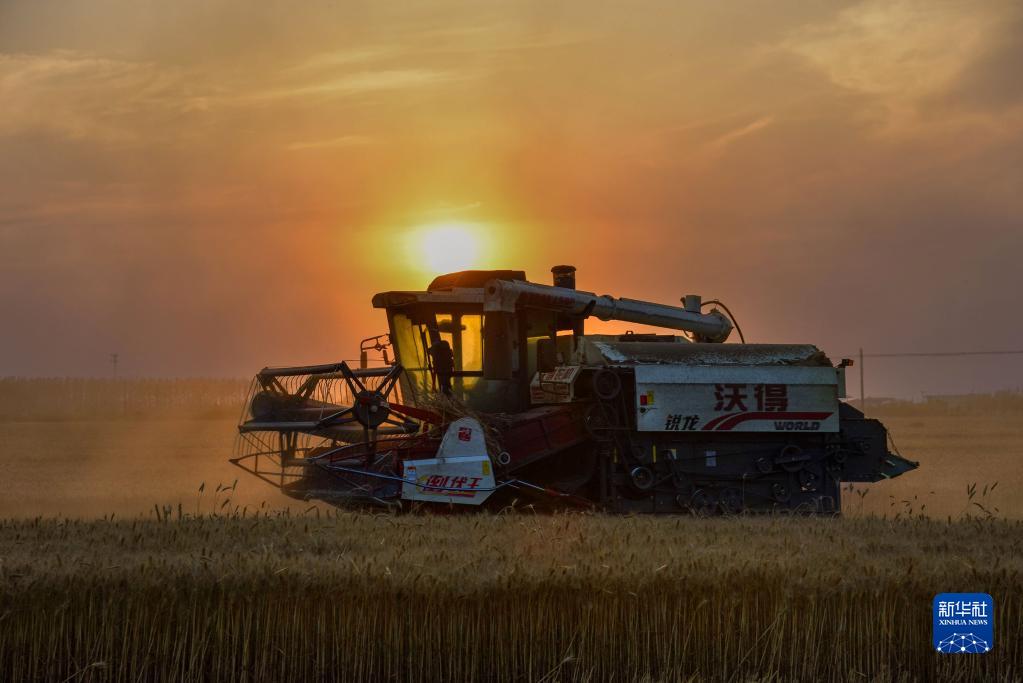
447, 247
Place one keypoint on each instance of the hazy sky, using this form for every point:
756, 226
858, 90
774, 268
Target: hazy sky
208, 187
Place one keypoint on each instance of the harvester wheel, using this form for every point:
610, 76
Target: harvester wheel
808, 480
607, 385
791, 459
731, 501
642, 478
703, 503
780, 492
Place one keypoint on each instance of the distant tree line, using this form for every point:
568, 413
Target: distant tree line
78, 398
997, 403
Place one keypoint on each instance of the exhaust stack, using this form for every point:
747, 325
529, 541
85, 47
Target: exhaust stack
564, 276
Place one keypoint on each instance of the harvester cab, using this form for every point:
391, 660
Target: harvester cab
495, 393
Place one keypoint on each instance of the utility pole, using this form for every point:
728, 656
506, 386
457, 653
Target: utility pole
114, 358
863, 396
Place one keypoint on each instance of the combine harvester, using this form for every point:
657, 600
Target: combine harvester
495, 394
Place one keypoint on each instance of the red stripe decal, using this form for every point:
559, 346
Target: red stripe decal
734, 420
720, 418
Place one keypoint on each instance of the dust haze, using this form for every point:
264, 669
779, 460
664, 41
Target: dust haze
127, 449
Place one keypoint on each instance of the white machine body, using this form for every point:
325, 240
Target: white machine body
462, 472
737, 399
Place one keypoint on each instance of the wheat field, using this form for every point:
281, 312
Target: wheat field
354, 596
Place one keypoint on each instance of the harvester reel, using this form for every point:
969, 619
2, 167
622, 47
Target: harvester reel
370, 407
263, 405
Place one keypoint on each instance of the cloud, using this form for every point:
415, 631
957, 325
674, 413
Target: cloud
444, 210
893, 46
898, 53
993, 78
731, 136
506, 36
343, 141
365, 82
334, 59
79, 95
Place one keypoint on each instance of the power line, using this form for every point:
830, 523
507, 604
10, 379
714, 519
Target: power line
921, 354
933, 354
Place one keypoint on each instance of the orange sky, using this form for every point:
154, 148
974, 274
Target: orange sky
207, 187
